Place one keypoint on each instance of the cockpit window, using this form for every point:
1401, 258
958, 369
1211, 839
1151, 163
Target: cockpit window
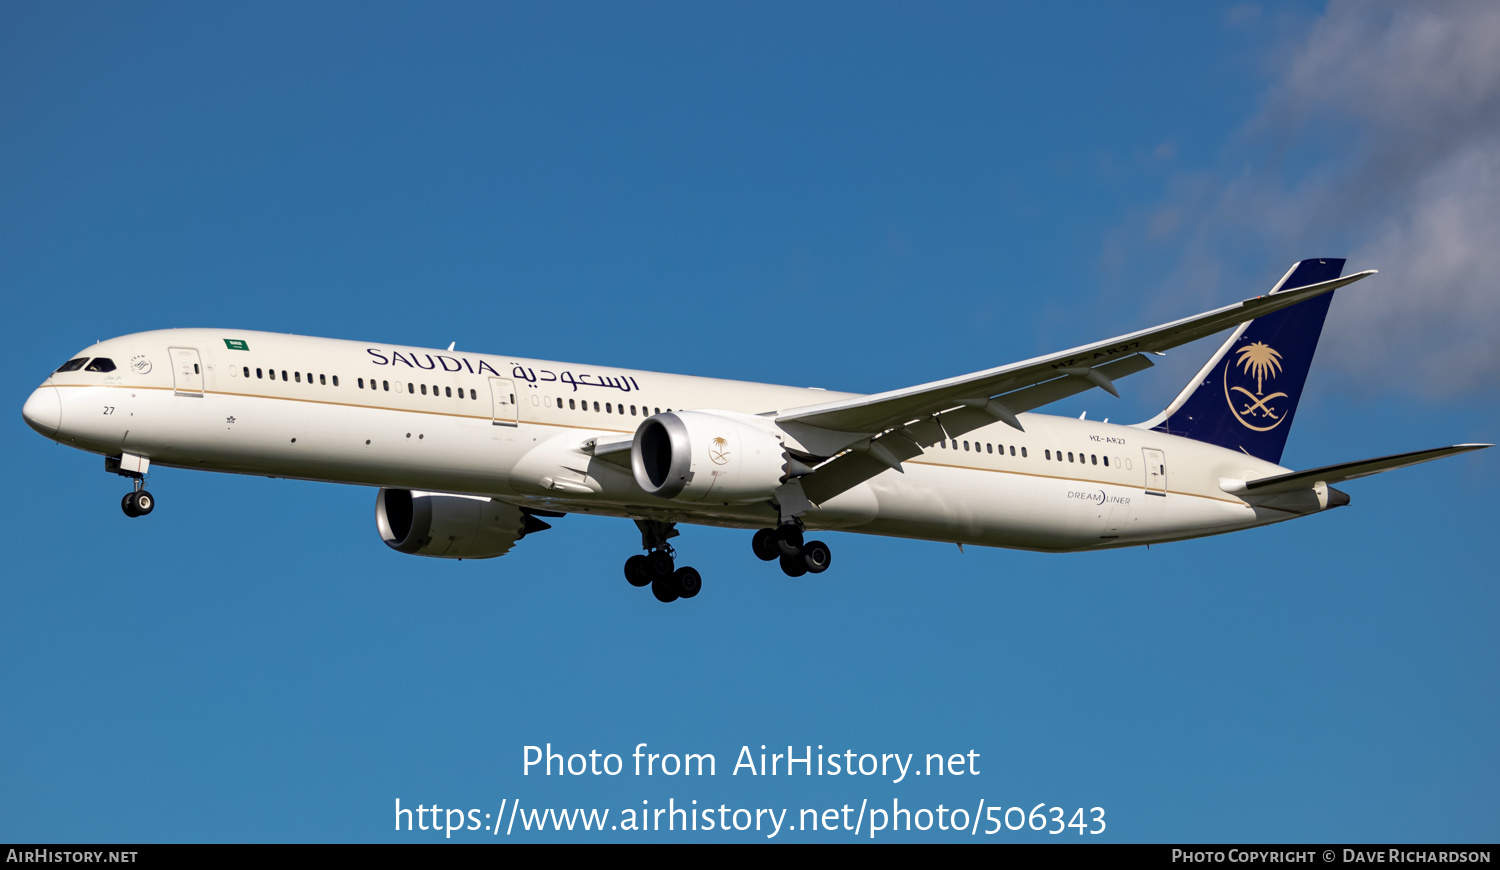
101, 364
73, 365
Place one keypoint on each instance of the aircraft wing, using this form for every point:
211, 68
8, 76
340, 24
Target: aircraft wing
883, 411
885, 429
1331, 474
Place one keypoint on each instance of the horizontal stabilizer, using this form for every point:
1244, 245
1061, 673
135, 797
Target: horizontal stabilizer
1331, 474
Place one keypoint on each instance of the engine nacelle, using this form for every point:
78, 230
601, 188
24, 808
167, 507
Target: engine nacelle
449, 526
709, 456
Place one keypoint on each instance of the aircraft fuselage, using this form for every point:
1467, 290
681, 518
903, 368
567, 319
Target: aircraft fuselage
516, 430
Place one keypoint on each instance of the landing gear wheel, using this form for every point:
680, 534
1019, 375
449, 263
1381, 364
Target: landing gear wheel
688, 582
635, 571
665, 589
816, 557
789, 540
793, 566
138, 503
659, 566
764, 545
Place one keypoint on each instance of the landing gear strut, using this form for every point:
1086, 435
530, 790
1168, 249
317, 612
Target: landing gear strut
785, 544
138, 502
657, 568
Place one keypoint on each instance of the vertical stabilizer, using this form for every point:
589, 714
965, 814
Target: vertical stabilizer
1246, 396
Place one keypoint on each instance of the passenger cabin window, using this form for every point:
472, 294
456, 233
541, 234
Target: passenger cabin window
335, 380
247, 371
73, 365
259, 374
299, 376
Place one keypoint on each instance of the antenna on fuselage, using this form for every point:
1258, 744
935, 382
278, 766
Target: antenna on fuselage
451, 345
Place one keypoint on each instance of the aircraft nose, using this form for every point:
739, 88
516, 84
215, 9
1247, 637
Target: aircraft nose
43, 411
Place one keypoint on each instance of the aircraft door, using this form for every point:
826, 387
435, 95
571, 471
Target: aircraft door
187, 371
1156, 471
503, 402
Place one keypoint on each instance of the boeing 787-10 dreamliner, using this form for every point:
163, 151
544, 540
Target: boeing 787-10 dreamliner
470, 451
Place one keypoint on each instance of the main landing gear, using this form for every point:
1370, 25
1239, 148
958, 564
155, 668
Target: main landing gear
785, 543
657, 568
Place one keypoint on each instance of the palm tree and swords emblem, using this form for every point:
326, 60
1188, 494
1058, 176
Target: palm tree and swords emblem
1257, 360
718, 451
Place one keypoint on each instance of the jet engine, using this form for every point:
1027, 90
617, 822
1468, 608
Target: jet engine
450, 526
709, 456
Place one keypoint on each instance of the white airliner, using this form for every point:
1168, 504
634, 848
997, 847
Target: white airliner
469, 450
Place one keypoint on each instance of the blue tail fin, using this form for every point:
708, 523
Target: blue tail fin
1244, 399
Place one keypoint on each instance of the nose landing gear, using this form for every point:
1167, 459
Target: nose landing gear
138, 502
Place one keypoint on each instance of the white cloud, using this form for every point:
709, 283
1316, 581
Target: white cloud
1390, 114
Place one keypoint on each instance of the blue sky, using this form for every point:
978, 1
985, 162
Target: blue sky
854, 196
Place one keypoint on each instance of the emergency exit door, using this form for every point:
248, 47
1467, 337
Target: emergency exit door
1156, 471
503, 402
